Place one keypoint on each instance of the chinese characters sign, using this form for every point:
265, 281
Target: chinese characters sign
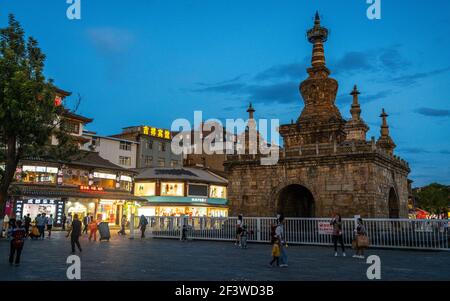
155, 132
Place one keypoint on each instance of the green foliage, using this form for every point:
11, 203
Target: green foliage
28, 116
433, 198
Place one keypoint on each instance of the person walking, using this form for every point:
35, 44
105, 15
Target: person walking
40, 223
50, 221
27, 223
143, 225
18, 240
336, 222
122, 225
361, 238
63, 221
275, 253
69, 220
279, 234
93, 229
239, 224
75, 233
86, 221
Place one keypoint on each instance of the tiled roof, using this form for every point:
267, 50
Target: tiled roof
184, 173
37, 190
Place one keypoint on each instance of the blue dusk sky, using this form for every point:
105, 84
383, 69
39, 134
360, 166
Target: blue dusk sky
149, 62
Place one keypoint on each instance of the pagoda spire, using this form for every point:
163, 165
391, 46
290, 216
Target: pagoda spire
317, 36
356, 128
250, 111
385, 141
356, 108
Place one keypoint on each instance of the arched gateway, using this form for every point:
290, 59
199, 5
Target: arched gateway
295, 201
394, 206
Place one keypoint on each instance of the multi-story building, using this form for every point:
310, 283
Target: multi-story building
121, 152
153, 146
82, 184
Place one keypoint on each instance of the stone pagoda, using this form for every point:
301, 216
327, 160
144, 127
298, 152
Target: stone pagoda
326, 165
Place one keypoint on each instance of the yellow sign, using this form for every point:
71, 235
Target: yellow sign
156, 132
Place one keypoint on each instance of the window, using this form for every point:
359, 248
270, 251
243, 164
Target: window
70, 126
76, 177
217, 191
105, 180
125, 161
145, 189
175, 189
125, 145
148, 160
198, 190
163, 147
174, 163
39, 174
150, 144
161, 162
95, 141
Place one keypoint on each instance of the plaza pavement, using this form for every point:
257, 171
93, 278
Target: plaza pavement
162, 259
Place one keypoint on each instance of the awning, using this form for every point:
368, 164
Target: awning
178, 200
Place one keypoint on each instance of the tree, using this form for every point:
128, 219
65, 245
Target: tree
433, 198
28, 115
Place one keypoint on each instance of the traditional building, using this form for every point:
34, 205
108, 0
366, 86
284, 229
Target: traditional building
326, 165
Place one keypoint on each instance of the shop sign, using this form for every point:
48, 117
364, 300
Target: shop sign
91, 188
155, 132
59, 207
325, 228
200, 200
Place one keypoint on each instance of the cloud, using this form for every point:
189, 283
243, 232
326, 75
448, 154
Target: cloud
364, 98
291, 71
109, 40
225, 82
413, 150
285, 92
230, 88
353, 61
411, 79
432, 112
445, 152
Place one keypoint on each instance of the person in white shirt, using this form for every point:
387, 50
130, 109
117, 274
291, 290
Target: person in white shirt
50, 221
5, 224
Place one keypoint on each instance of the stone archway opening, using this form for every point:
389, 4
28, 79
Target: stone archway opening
296, 201
393, 204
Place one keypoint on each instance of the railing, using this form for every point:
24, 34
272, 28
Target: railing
383, 233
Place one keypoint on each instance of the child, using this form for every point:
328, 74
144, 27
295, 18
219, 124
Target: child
244, 234
92, 229
275, 253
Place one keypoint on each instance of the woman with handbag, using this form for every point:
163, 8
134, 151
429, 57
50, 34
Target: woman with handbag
362, 241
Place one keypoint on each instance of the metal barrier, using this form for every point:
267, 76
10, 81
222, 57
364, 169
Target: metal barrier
384, 233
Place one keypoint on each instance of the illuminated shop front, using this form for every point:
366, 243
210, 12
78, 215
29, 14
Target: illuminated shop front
181, 191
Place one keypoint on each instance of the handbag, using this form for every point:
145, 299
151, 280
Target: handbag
363, 241
354, 244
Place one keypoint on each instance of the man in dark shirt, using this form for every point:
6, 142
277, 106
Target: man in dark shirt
75, 233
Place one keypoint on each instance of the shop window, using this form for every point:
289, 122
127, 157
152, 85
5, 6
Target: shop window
144, 189
105, 183
174, 189
198, 190
76, 177
39, 174
125, 185
217, 191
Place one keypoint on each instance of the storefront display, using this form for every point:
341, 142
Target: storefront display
217, 191
145, 189
107, 211
176, 189
39, 206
